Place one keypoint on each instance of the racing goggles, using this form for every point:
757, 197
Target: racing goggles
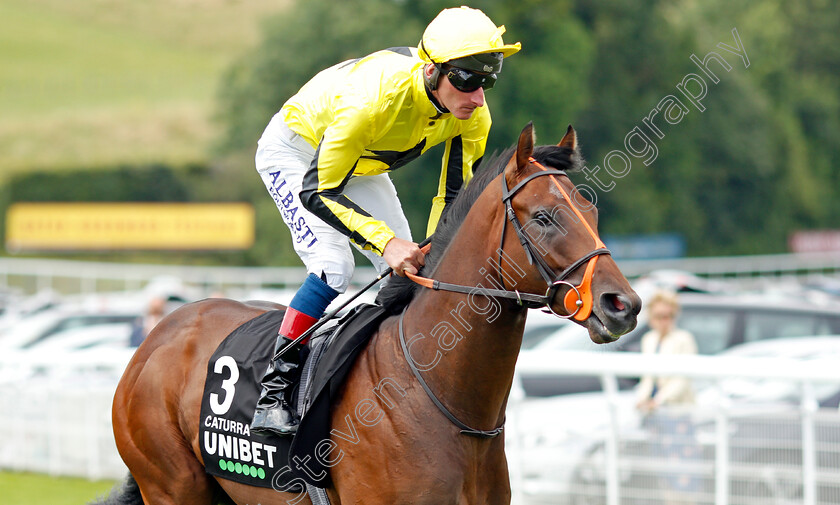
467, 81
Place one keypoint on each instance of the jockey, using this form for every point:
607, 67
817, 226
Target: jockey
326, 155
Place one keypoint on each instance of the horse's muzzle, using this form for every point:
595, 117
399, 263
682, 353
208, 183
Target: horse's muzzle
613, 316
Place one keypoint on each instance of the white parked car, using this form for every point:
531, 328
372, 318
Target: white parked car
717, 322
99, 336
559, 443
41, 327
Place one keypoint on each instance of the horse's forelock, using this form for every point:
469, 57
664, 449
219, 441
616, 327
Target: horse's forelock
561, 158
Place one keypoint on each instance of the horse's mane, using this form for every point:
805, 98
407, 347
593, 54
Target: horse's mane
400, 290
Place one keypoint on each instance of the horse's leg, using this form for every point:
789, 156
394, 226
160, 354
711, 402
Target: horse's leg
160, 458
171, 478
491, 480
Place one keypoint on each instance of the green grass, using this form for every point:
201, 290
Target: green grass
52, 63
103, 82
36, 489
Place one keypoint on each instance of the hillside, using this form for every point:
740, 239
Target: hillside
101, 82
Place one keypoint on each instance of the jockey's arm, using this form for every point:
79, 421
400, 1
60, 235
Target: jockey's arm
322, 193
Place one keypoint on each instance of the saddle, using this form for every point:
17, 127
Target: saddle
229, 449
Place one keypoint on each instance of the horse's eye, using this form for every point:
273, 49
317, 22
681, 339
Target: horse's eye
543, 218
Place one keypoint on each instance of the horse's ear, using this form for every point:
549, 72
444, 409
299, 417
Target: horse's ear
569, 139
524, 148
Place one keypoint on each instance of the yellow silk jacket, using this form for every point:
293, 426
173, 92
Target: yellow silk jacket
373, 115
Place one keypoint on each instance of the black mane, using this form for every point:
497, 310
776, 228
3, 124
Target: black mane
400, 290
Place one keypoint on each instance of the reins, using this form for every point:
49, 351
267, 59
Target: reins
458, 288
424, 246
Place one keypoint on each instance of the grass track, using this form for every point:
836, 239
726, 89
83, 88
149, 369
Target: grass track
36, 489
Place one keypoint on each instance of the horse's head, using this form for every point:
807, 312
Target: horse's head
553, 227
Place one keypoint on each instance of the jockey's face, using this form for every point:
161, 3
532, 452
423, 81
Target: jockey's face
460, 104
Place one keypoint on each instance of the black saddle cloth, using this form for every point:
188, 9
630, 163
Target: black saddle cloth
232, 387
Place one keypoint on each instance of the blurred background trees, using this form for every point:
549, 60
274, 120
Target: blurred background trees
736, 178
759, 163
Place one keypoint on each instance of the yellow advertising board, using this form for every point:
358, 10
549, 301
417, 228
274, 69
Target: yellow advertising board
129, 226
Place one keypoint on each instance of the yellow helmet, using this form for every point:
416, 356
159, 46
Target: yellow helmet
460, 32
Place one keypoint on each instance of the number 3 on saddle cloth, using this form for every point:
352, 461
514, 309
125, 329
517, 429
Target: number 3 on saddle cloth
228, 447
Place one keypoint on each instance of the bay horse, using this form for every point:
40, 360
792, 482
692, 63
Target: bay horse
451, 349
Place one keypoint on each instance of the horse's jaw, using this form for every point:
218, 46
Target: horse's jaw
598, 332
601, 333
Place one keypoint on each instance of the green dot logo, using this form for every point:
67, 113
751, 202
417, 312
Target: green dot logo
246, 470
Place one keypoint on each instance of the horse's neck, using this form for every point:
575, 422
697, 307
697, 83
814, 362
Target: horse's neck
472, 341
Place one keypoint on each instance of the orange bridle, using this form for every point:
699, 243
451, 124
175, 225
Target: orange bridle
578, 300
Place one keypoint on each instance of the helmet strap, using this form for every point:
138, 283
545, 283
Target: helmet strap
431, 80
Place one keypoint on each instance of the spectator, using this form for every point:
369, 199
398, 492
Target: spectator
671, 428
155, 311
665, 338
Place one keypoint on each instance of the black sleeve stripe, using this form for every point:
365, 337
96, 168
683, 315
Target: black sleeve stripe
476, 164
309, 186
311, 181
317, 207
454, 170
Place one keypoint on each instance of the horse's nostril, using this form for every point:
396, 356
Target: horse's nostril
613, 303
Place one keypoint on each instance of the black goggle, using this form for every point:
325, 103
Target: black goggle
467, 82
